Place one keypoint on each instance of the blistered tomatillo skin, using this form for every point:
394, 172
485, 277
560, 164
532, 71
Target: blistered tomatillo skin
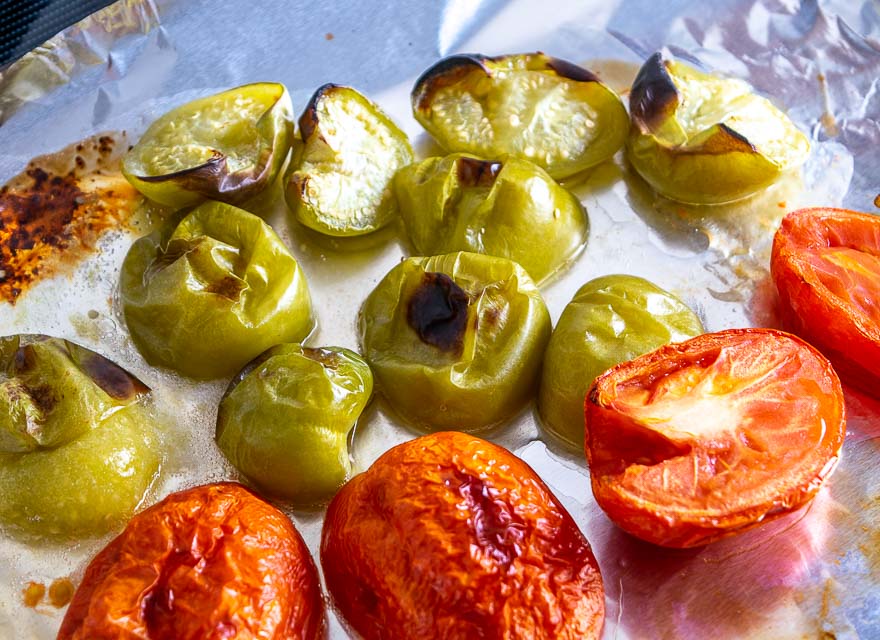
609, 320
339, 180
212, 562
826, 267
707, 438
450, 536
77, 450
227, 147
455, 341
207, 296
704, 139
542, 109
508, 208
285, 422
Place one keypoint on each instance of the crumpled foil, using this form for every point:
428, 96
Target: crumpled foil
813, 573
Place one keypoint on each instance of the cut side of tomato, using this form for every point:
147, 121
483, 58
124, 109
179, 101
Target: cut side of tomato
709, 437
826, 267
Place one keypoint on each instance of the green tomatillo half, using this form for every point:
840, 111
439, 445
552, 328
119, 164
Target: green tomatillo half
542, 109
704, 139
610, 320
77, 449
455, 341
284, 422
227, 147
508, 208
207, 296
339, 181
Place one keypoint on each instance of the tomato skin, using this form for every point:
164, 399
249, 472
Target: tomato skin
449, 536
211, 562
835, 308
706, 438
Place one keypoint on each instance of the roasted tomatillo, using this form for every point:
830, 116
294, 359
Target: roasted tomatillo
227, 147
207, 296
77, 450
609, 320
508, 208
549, 111
455, 340
704, 139
339, 181
284, 422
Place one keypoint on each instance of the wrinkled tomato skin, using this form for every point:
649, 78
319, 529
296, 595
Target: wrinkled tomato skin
211, 562
449, 536
831, 305
707, 438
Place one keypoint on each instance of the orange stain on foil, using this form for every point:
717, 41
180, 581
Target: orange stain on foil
52, 214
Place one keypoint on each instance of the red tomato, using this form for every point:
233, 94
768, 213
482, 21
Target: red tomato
709, 437
208, 563
449, 536
826, 267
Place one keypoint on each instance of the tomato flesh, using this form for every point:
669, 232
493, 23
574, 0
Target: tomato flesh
211, 562
450, 536
702, 439
826, 267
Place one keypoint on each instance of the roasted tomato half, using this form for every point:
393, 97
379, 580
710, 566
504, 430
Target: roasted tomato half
549, 111
704, 139
449, 536
227, 147
826, 266
707, 438
211, 562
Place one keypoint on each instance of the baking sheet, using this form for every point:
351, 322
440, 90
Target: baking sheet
814, 573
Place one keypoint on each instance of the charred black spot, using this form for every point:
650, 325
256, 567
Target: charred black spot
477, 173
229, 287
653, 96
113, 379
571, 71
438, 312
496, 527
43, 398
445, 73
737, 141
24, 359
309, 120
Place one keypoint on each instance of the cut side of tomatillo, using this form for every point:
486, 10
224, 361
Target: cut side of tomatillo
285, 420
227, 147
207, 295
609, 320
78, 451
826, 267
710, 437
339, 181
542, 109
214, 561
450, 536
508, 208
455, 341
704, 139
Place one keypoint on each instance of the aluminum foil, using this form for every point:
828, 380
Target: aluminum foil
814, 573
